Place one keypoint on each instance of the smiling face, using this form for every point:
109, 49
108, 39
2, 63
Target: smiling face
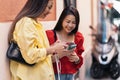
69, 23
47, 9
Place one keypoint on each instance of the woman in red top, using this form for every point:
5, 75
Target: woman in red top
66, 30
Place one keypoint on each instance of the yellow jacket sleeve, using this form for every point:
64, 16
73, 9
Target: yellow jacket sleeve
31, 39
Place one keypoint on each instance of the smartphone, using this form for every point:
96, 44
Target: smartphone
71, 46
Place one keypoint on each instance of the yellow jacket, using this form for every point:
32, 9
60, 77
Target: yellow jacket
32, 40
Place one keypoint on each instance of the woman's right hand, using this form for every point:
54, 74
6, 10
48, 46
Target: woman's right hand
60, 47
63, 51
57, 47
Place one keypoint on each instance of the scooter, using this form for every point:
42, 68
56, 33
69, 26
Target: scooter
105, 59
104, 52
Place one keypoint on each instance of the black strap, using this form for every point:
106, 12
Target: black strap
55, 36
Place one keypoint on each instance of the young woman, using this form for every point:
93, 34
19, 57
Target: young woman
66, 30
33, 43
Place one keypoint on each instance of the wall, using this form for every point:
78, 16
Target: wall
4, 66
84, 8
9, 9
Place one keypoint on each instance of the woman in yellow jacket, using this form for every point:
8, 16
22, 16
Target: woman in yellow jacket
33, 43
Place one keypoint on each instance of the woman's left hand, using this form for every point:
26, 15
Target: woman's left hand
73, 57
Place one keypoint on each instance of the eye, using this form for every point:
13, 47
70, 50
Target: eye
67, 21
74, 22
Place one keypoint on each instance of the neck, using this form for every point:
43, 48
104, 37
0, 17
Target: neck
62, 36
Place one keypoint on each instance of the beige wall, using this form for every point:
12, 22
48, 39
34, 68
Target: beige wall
4, 66
84, 8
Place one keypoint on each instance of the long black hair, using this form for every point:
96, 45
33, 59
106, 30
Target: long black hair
32, 9
68, 11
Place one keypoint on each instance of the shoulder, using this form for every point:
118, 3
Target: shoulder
49, 32
25, 25
50, 36
25, 20
79, 36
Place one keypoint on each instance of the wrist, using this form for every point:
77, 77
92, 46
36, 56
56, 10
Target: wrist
50, 50
77, 62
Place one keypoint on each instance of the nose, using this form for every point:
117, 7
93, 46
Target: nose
70, 25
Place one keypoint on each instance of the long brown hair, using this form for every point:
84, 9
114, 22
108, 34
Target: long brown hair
32, 9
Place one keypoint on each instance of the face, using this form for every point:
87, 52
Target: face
47, 10
69, 23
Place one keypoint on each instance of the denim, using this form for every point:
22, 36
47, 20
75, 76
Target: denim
64, 77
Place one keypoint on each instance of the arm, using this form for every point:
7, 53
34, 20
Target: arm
29, 41
76, 57
80, 49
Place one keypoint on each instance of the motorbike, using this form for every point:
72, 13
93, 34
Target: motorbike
105, 50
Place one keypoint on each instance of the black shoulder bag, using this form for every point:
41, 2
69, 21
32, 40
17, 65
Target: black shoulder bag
14, 53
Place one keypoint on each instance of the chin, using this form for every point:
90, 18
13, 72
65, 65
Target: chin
69, 32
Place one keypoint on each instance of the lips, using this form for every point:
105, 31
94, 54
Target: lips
69, 30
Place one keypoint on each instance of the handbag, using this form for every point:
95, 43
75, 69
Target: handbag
14, 53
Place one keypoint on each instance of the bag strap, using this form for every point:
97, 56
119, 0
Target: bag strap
12, 40
57, 59
55, 36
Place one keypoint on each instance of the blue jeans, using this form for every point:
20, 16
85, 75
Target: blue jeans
64, 77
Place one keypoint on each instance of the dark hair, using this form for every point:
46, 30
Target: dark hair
68, 11
32, 9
